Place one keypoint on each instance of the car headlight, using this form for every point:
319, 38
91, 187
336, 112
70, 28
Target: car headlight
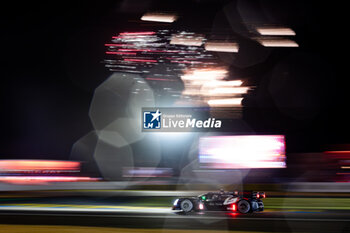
175, 202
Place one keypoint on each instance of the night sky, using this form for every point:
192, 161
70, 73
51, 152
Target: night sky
52, 57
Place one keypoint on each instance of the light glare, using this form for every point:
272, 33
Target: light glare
225, 102
275, 31
157, 17
241, 152
221, 47
277, 43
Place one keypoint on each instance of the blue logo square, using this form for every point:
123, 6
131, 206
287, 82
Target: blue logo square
152, 120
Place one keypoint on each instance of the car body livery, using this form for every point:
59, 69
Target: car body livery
242, 202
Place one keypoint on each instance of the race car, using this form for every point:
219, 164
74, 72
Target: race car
237, 201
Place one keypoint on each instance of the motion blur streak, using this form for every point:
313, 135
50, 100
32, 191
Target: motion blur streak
277, 42
221, 47
43, 179
236, 152
217, 91
209, 86
275, 31
148, 50
140, 60
337, 152
23, 165
120, 53
205, 74
160, 79
116, 45
187, 62
225, 102
227, 90
147, 172
218, 83
136, 33
59, 229
187, 39
159, 17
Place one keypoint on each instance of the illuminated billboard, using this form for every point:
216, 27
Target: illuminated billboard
242, 152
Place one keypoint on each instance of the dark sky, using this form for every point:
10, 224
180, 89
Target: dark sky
51, 63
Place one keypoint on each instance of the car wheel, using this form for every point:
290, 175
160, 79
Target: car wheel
243, 206
186, 205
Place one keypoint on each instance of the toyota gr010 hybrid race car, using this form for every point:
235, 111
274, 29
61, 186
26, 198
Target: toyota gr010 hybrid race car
242, 202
